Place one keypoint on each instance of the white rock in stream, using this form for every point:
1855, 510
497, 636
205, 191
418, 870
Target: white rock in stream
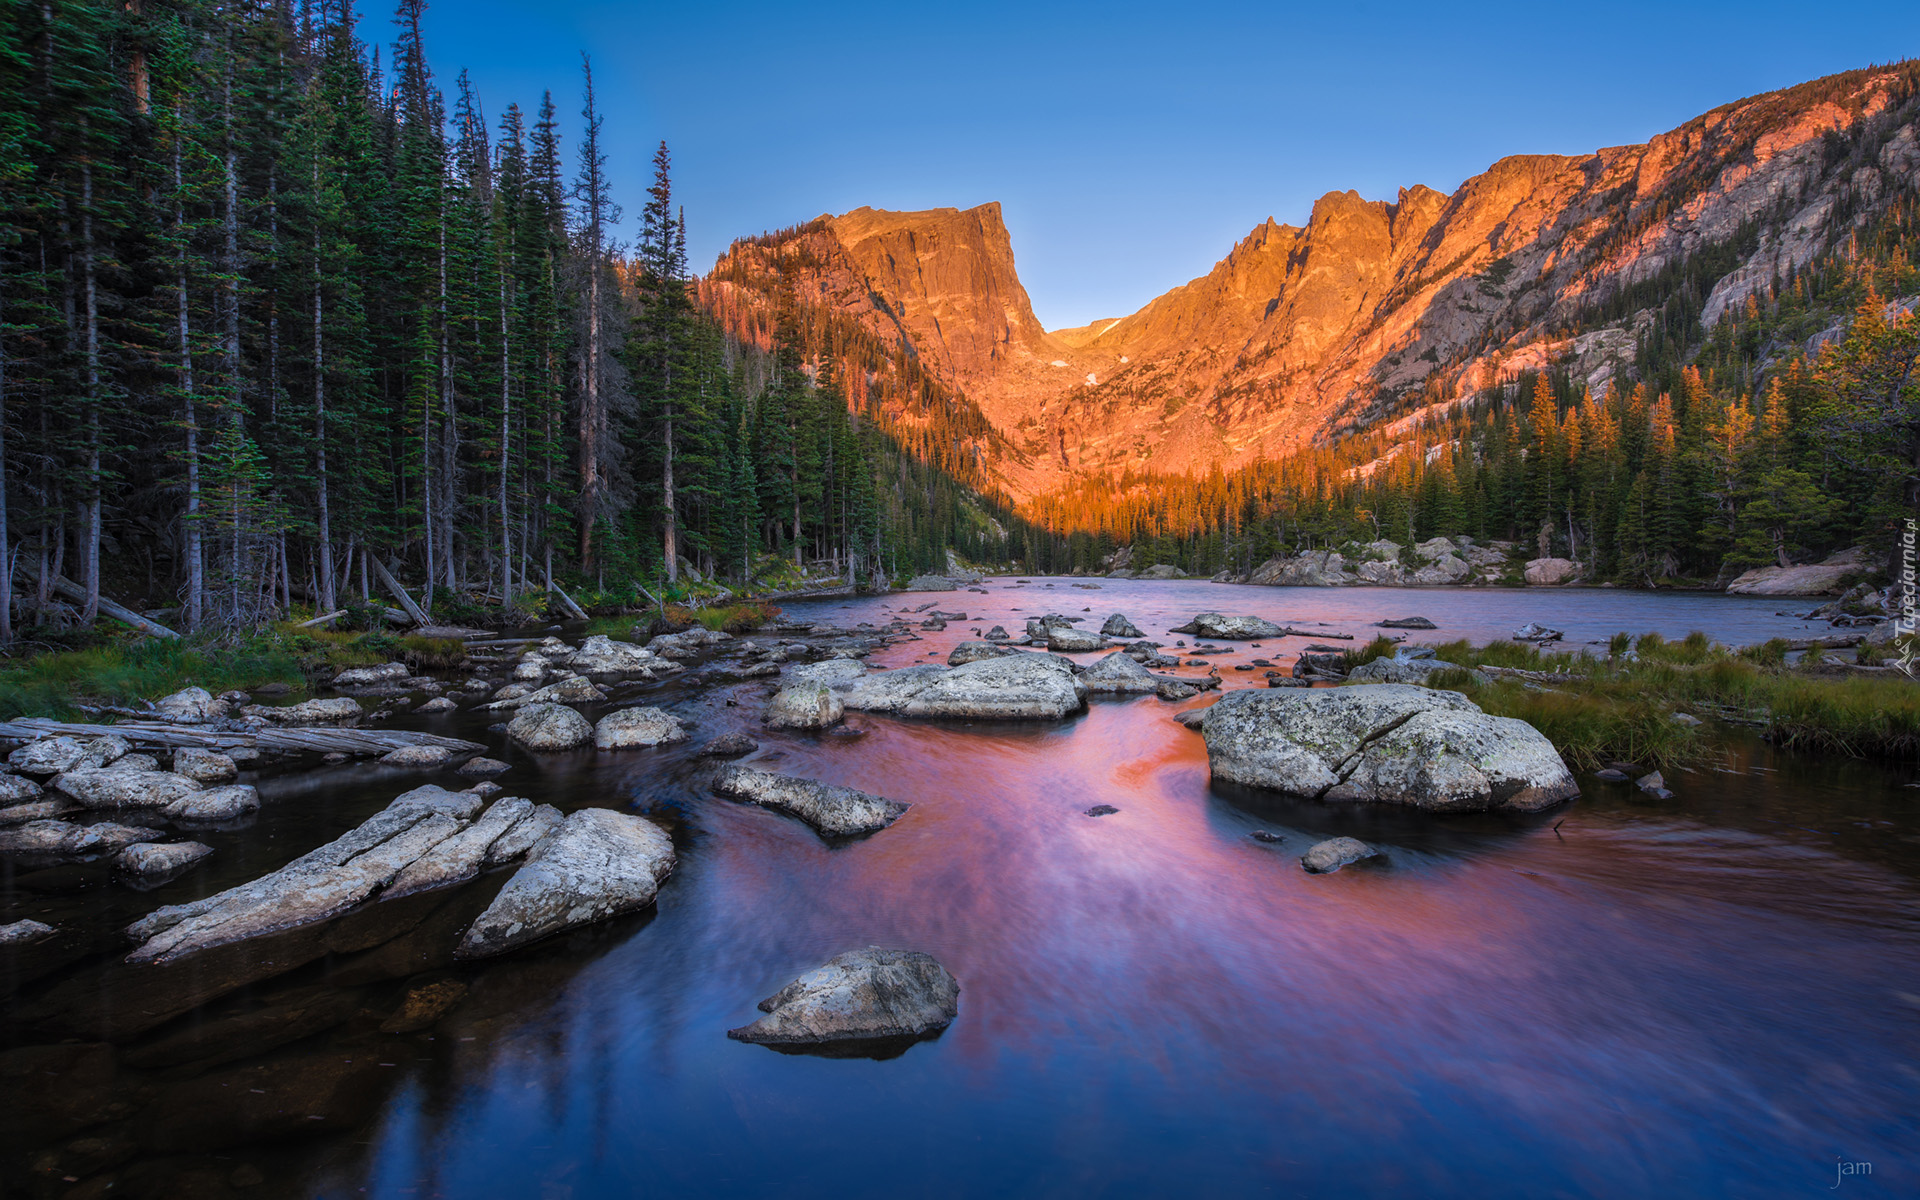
805, 706
598, 864
204, 766
461, 856
215, 804
24, 933
1334, 853
112, 787
156, 861
865, 995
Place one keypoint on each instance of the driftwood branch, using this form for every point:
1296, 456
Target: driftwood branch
579, 613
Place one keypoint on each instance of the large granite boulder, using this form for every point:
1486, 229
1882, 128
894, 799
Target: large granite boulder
601, 655
49, 756
805, 706
117, 787
1809, 579
1021, 687
1406, 670
832, 810
1118, 626
864, 996
1310, 569
1385, 743
598, 864
190, 706
1119, 674
1444, 571
1547, 572
1068, 640
549, 727
637, 727
1235, 629
889, 691
576, 689
354, 677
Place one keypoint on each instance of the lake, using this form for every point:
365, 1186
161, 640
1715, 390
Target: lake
1714, 995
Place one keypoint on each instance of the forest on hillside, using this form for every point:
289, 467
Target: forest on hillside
1788, 430
280, 319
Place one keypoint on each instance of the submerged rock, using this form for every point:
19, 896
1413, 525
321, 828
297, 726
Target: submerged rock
832, 810
1217, 625
598, 864
549, 727
729, 745
1655, 785
638, 727
1406, 623
1334, 853
805, 706
866, 995
1385, 743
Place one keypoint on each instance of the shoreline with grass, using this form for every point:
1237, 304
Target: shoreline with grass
1644, 701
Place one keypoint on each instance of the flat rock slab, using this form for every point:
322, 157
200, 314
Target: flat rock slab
1384, 743
117, 787
598, 864
863, 996
320, 884
837, 673
832, 810
461, 856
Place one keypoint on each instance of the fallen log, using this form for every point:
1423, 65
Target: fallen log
322, 619
579, 614
313, 739
74, 592
399, 593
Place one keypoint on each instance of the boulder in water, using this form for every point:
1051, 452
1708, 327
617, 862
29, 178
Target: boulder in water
214, 804
577, 689
1241, 628
309, 712
1022, 687
729, 745
1118, 626
967, 652
868, 995
598, 864
1068, 640
836, 673
190, 706
1535, 632
832, 810
890, 691
392, 672
108, 787
418, 756
805, 706
549, 727
631, 727
204, 766
1119, 674
1385, 743
157, 862
1406, 623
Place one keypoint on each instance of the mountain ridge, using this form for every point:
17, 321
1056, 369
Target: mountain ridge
1373, 309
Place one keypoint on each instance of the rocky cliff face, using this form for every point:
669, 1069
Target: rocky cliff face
1372, 312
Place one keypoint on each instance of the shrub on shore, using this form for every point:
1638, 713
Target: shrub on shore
60, 684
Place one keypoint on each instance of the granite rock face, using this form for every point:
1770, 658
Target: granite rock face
638, 727
549, 727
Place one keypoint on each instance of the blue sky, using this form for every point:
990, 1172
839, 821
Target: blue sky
1130, 145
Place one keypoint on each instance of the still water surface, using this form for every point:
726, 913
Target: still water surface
1717, 995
